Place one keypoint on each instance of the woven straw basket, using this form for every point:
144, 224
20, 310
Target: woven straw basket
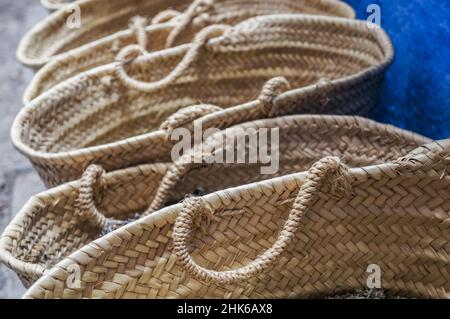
55, 4
50, 226
302, 235
180, 29
59, 32
112, 116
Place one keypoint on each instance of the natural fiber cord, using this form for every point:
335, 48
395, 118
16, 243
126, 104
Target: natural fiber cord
308, 193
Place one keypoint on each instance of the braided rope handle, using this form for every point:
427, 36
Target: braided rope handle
173, 175
131, 52
93, 174
179, 168
137, 25
87, 210
165, 16
187, 115
90, 179
318, 174
196, 8
271, 89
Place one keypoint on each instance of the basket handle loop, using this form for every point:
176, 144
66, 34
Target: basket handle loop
195, 9
277, 85
175, 173
198, 7
165, 16
271, 89
91, 182
184, 163
327, 169
91, 178
137, 25
131, 52
187, 115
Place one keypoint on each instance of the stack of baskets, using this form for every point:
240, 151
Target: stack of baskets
99, 125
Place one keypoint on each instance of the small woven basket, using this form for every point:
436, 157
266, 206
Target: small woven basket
180, 29
112, 115
304, 235
83, 22
61, 220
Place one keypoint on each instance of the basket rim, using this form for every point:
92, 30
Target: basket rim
47, 22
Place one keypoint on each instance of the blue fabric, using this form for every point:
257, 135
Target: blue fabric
416, 93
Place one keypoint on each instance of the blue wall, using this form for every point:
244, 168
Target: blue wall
416, 94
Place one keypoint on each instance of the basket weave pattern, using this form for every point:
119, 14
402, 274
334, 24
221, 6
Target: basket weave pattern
305, 215
98, 117
51, 222
394, 214
52, 36
180, 28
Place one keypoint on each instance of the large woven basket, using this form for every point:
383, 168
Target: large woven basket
304, 235
51, 227
110, 116
59, 32
180, 29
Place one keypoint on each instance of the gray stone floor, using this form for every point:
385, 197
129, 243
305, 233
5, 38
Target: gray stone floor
18, 181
